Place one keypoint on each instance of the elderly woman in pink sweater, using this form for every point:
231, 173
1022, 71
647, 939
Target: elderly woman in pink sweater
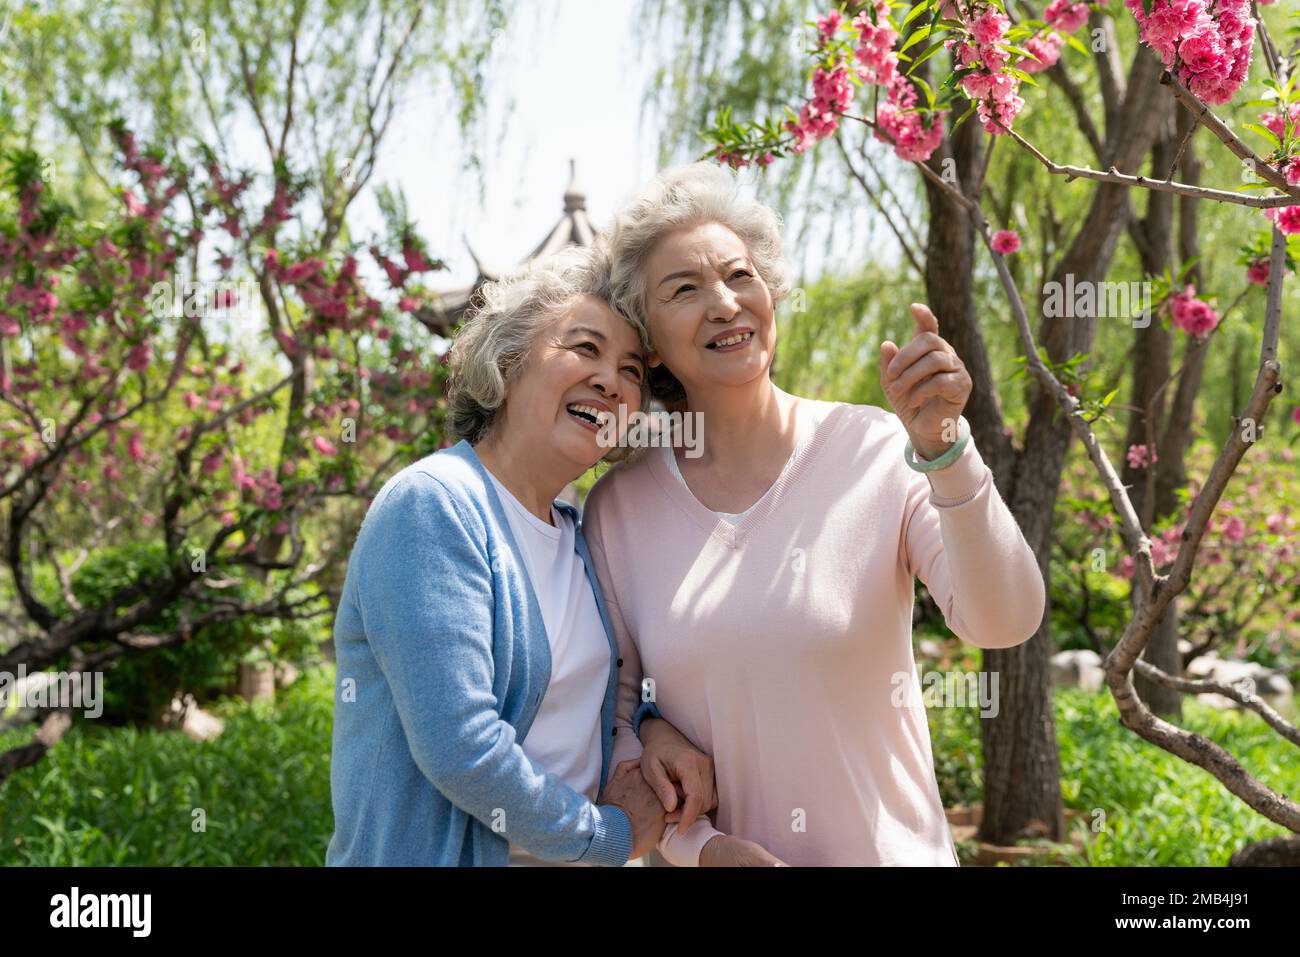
761, 591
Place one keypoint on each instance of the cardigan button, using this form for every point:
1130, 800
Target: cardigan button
613, 732
619, 663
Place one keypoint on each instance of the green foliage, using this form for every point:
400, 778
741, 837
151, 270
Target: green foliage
1148, 807
110, 796
123, 796
142, 683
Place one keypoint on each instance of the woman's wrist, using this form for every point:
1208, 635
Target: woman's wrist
650, 728
712, 847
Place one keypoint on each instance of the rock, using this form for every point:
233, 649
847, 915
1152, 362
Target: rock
1080, 668
1273, 686
199, 725
195, 723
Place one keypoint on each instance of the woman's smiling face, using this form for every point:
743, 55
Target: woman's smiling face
585, 364
709, 312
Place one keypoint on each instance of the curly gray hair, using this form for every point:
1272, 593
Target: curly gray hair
504, 321
677, 198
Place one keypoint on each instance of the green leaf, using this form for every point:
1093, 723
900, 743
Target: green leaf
1077, 44
929, 93
1265, 132
916, 37
930, 51
962, 118
916, 11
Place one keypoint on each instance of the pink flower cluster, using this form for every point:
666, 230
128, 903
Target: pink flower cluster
996, 94
878, 63
1046, 50
1287, 218
820, 117
897, 120
1205, 43
1194, 316
898, 124
1139, 456
1066, 15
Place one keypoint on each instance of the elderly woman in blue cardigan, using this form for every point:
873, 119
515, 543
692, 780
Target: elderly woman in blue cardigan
477, 670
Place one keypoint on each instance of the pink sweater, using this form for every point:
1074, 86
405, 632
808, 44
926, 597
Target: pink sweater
782, 645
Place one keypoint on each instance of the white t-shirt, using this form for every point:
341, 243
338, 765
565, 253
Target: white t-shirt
564, 739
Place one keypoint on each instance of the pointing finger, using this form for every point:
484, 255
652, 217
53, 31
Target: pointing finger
925, 319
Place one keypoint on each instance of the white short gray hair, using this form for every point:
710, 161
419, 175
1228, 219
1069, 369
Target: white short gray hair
503, 323
681, 197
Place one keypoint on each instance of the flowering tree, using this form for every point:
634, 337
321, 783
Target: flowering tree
876, 67
129, 413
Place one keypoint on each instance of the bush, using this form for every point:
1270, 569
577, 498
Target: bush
142, 684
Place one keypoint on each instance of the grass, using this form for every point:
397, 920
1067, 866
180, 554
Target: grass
1141, 806
110, 795
118, 795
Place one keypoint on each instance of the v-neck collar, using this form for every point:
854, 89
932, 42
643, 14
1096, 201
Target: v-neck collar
733, 534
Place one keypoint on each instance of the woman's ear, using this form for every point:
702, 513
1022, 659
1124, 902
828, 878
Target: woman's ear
653, 361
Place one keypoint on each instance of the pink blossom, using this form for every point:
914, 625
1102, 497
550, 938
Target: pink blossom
415, 260
134, 448
1006, 241
1139, 456
1257, 271
1194, 316
138, 358
1234, 529
133, 206
1287, 218
1295, 415
1046, 50
9, 325
301, 272
827, 25
1275, 122
990, 27
212, 461
324, 446
1065, 15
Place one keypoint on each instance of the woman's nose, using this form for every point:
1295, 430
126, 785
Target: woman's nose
724, 305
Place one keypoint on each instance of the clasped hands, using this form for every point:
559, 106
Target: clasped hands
673, 782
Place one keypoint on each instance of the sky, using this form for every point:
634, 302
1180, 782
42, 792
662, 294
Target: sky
568, 82
576, 81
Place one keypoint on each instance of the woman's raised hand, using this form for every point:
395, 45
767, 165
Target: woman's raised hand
927, 384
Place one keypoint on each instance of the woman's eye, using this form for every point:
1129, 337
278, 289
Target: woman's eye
681, 289
739, 272
589, 345
633, 372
